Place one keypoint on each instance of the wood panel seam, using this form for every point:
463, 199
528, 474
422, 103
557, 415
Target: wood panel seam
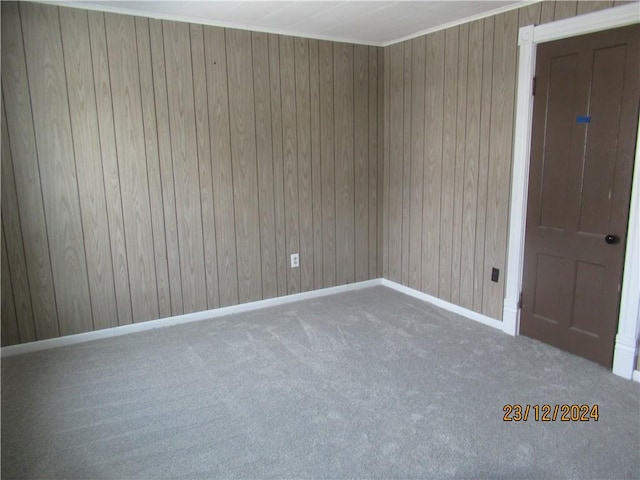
75, 164
144, 134
37, 151
124, 227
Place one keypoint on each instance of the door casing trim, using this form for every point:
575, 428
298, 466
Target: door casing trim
626, 343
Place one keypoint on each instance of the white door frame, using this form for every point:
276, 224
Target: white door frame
626, 343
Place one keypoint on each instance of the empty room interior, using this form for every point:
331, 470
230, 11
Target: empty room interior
332, 239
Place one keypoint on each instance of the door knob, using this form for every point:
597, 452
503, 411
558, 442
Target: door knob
611, 239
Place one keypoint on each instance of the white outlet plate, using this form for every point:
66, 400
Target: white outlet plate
295, 260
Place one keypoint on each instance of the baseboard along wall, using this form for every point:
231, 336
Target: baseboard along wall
245, 307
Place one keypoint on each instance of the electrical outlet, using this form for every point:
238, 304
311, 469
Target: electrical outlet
295, 260
495, 274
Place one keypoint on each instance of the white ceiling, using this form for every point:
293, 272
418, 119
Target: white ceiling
378, 23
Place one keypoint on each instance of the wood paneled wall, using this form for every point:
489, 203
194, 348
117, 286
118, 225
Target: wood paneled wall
153, 168
449, 101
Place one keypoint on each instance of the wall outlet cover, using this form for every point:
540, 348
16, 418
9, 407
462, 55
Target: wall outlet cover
495, 274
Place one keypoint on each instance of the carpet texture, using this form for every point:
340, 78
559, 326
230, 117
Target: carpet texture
365, 384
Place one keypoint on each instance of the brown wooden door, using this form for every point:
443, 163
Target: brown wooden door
584, 130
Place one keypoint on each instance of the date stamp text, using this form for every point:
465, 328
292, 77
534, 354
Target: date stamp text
550, 413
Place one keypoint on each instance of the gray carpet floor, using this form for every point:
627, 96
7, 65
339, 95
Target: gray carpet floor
365, 384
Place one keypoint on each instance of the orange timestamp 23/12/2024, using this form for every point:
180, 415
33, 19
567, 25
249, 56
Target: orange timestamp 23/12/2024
516, 412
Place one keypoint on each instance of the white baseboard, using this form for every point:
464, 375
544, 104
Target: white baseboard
438, 302
180, 319
246, 307
624, 356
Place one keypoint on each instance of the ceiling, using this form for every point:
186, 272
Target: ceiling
377, 23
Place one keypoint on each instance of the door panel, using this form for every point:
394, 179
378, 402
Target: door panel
553, 276
562, 76
606, 90
589, 287
583, 143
